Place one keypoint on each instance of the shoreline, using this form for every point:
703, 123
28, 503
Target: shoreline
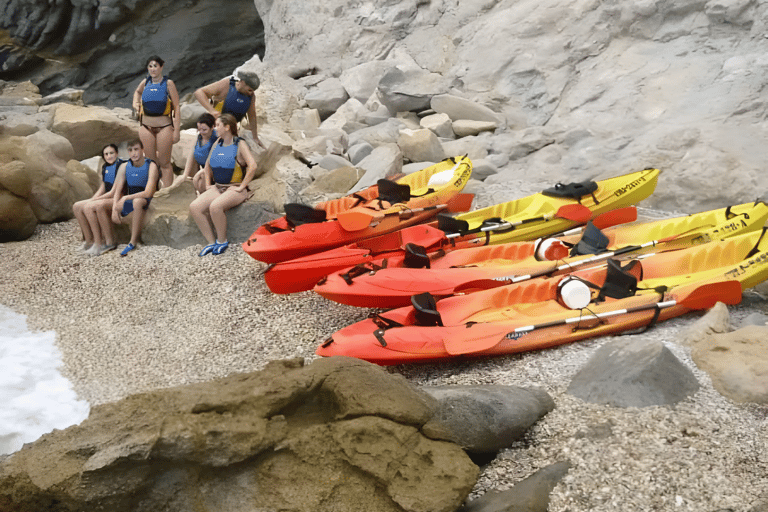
163, 317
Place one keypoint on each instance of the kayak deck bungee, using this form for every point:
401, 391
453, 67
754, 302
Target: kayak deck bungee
530, 315
389, 206
533, 216
379, 285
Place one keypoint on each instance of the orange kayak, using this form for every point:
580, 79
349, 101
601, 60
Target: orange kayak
384, 285
381, 209
552, 211
551, 311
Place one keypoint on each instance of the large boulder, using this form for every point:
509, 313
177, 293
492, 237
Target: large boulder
89, 129
339, 434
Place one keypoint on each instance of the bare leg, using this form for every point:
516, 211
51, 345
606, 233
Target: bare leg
102, 211
79, 209
198, 209
218, 208
138, 219
164, 141
148, 140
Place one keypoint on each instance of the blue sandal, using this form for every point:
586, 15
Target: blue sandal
220, 248
208, 249
127, 249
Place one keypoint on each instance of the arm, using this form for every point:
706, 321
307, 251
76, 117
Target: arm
154, 175
191, 167
99, 192
215, 90
244, 155
117, 199
208, 172
252, 121
137, 98
175, 111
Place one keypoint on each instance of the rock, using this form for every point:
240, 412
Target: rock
737, 362
474, 147
359, 151
440, 124
17, 220
190, 113
409, 90
334, 183
306, 119
347, 430
520, 144
716, 320
347, 117
332, 162
85, 175
68, 95
420, 146
463, 109
483, 168
380, 115
327, 97
633, 373
361, 81
529, 495
754, 319
182, 149
22, 124
89, 129
383, 162
378, 135
416, 166
485, 419
463, 127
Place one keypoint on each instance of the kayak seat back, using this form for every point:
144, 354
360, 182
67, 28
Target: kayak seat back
415, 256
426, 313
392, 192
619, 282
593, 241
571, 190
297, 214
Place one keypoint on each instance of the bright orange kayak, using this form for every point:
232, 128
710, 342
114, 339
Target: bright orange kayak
534, 314
555, 210
387, 207
380, 285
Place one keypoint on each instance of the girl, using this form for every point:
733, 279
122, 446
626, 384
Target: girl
206, 136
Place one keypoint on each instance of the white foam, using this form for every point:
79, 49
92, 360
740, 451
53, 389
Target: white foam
35, 397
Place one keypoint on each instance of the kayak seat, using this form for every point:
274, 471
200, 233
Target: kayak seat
425, 306
415, 256
392, 192
619, 282
593, 241
297, 214
572, 190
451, 225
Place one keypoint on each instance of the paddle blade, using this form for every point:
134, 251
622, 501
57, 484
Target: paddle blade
460, 203
707, 295
615, 217
355, 220
574, 212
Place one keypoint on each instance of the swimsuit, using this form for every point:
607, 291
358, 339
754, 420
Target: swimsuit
224, 164
236, 103
155, 100
136, 179
201, 151
156, 129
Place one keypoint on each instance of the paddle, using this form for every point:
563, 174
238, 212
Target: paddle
355, 220
573, 212
703, 297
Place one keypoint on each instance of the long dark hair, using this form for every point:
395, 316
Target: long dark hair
206, 118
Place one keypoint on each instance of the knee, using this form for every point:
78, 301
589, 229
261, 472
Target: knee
196, 208
78, 207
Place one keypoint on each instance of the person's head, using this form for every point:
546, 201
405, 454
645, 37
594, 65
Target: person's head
205, 124
109, 153
155, 65
136, 149
247, 82
226, 122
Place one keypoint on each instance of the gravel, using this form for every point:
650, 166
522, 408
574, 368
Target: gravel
163, 317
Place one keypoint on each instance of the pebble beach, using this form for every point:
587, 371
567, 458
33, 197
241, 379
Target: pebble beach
163, 317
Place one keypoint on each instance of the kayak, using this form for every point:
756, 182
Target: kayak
386, 207
547, 312
554, 210
381, 284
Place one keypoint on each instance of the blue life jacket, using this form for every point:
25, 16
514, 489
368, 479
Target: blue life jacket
201, 152
236, 103
224, 164
109, 173
155, 100
137, 177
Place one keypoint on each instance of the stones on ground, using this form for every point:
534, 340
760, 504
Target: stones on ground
464, 127
737, 362
633, 373
754, 319
345, 429
420, 146
327, 97
359, 151
483, 168
410, 89
716, 320
440, 124
384, 161
332, 162
458, 108
377, 135
529, 495
347, 117
485, 419
361, 81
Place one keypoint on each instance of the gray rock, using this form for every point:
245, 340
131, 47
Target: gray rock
347, 117
416, 166
421, 146
716, 320
458, 108
359, 151
384, 161
529, 495
482, 168
332, 162
463, 127
306, 119
361, 81
380, 115
440, 124
474, 147
328, 96
485, 419
754, 319
409, 90
633, 373
68, 95
384, 133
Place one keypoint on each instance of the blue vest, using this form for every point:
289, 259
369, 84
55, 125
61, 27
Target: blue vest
137, 177
236, 103
108, 174
201, 152
224, 164
155, 100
